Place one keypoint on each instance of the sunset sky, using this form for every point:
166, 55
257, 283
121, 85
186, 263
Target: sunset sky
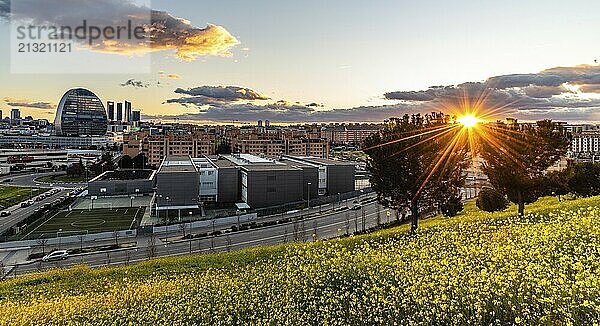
346, 60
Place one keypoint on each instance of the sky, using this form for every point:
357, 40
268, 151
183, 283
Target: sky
331, 60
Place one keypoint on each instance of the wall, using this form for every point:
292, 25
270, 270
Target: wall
182, 188
275, 187
340, 179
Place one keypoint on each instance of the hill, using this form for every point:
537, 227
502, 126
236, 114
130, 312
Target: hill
477, 268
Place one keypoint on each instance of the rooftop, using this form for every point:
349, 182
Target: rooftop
125, 175
174, 164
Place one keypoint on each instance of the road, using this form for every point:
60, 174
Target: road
18, 214
28, 180
323, 226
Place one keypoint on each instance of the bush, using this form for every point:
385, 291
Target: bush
584, 180
452, 206
490, 200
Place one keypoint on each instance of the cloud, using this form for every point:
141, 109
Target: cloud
135, 84
162, 74
223, 93
162, 31
556, 92
4, 9
20, 103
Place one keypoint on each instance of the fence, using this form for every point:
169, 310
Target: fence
319, 201
218, 222
126, 234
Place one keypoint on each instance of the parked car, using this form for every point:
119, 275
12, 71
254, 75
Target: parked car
356, 207
56, 255
5, 214
7, 180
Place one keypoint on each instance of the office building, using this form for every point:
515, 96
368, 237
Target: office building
136, 116
585, 146
127, 113
119, 112
15, 115
80, 113
110, 107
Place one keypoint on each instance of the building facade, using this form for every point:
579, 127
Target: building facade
80, 113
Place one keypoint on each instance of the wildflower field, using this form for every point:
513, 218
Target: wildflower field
477, 268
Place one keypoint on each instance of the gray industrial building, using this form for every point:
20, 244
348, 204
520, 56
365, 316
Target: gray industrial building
123, 182
262, 182
177, 184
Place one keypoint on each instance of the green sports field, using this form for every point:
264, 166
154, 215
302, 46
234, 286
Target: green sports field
85, 221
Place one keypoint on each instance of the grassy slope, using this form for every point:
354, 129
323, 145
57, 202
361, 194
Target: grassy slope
477, 268
11, 195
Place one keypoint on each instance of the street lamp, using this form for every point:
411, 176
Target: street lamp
132, 198
309, 184
93, 198
58, 236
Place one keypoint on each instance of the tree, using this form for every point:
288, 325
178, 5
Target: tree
126, 162
584, 179
140, 161
76, 169
224, 148
518, 156
490, 200
452, 205
416, 161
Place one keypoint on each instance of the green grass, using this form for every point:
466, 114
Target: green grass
79, 221
12, 195
66, 178
477, 268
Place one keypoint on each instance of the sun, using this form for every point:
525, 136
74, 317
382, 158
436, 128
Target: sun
468, 121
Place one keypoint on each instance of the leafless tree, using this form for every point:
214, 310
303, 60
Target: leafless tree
151, 248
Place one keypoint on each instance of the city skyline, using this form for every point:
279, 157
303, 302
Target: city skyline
347, 61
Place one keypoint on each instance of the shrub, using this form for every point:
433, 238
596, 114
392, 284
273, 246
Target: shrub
490, 200
452, 206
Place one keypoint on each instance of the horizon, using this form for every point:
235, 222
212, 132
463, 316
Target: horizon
317, 64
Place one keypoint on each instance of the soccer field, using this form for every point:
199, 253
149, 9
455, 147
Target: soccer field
76, 222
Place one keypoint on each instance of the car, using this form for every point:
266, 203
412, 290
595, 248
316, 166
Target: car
356, 207
25, 204
56, 255
5, 214
7, 180
39, 198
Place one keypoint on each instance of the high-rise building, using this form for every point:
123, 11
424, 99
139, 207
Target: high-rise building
80, 113
127, 117
15, 114
119, 112
136, 116
110, 107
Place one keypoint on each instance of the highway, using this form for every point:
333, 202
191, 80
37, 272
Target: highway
18, 214
321, 226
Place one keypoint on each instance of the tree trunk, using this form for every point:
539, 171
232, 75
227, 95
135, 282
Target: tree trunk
521, 204
414, 210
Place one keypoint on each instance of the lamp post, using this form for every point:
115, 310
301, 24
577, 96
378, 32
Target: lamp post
309, 184
93, 198
58, 236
